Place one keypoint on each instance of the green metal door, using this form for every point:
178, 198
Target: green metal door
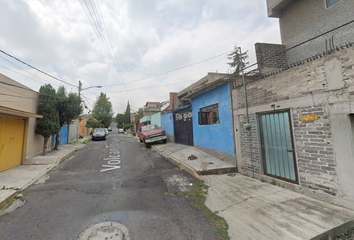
278, 152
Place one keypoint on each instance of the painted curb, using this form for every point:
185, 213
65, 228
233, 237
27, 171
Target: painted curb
8, 199
61, 159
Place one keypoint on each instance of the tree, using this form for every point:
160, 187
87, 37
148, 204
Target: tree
47, 107
102, 110
238, 60
120, 120
93, 123
69, 108
139, 114
127, 114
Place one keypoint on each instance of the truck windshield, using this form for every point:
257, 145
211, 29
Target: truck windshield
149, 128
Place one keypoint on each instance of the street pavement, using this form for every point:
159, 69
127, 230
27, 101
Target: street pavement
252, 209
259, 210
113, 189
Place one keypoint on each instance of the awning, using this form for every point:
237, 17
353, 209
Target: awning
145, 119
19, 113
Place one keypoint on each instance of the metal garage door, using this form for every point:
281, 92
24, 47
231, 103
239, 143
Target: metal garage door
11, 142
278, 153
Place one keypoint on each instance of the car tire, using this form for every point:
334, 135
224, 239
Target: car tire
164, 141
147, 145
93, 139
104, 138
140, 140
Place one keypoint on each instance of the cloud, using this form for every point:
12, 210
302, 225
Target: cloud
147, 38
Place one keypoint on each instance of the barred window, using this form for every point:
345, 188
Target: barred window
209, 115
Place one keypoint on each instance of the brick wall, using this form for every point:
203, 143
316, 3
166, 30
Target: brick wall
266, 55
249, 144
314, 150
310, 88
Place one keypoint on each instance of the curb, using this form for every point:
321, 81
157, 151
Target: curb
61, 159
334, 232
181, 165
7, 200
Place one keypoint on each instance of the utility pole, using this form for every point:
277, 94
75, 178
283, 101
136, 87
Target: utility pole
80, 89
80, 85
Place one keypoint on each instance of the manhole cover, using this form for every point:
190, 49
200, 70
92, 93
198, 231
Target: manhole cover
106, 231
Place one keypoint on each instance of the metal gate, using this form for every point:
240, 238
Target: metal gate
277, 144
63, 135
184, 128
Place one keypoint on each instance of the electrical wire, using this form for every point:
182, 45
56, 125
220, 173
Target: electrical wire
176, 69
36, 68
96, 16
302, 43
156, 86
5, 94
9, 62
87, 100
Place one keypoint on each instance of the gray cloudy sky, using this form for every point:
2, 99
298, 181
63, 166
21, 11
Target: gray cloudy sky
147, 38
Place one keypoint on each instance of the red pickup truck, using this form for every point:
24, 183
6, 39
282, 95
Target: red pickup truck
151, 133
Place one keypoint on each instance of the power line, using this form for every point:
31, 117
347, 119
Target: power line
25, 97
12, 85
149, 87
36, 68
96, 16
87, 100
176, 69
25, 71
302, 43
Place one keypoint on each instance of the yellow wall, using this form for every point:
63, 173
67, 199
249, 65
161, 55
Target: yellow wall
83, 129
24, 99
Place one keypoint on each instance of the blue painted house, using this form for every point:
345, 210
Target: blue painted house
168, 126
204, 113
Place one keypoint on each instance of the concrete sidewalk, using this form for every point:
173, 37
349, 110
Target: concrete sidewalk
204, 164
16, 179
258, 210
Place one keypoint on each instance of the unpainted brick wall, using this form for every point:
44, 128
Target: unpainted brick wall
270, 55
314, 150
249, 144
313, 140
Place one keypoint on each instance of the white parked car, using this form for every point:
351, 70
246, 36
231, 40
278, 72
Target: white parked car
98, 134
120, 130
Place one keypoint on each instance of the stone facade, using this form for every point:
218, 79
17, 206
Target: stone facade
324, 146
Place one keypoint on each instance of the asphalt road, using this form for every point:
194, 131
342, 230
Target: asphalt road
114, 180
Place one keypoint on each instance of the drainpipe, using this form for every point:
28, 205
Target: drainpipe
248, 125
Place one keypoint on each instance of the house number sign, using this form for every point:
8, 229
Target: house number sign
310, 117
